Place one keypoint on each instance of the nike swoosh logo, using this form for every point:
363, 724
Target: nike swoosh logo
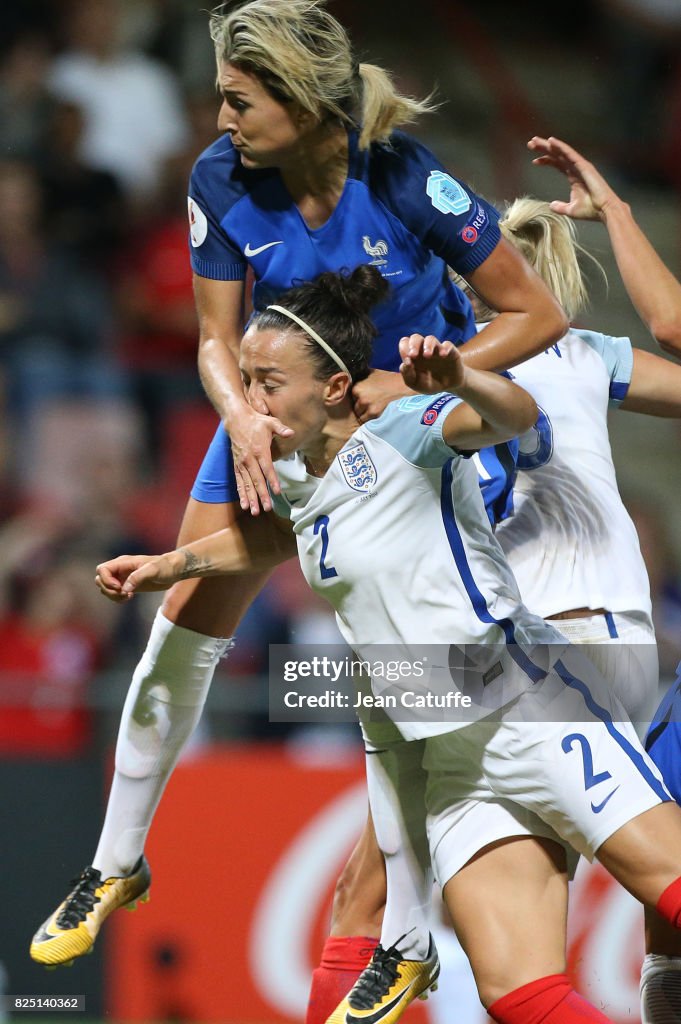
261, 248
381, 1013
597, 808
44, 934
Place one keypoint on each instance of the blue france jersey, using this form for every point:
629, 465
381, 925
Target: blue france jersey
400, 211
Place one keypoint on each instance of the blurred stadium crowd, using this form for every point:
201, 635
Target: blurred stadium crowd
104, 105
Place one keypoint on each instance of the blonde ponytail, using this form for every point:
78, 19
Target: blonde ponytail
548, 242
383, 108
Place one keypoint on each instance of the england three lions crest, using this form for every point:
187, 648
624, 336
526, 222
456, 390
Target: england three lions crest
358, 469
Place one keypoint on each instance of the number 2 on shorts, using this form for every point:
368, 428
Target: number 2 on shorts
590, 779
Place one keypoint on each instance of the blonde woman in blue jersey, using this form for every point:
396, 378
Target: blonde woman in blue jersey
311, 173
405, 554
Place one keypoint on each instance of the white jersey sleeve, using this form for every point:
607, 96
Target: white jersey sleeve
618, 356
413, 427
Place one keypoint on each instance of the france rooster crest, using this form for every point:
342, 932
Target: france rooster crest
377, 249
358, 469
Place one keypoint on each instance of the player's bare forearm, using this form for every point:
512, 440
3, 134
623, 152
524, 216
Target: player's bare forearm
530, 319
250, 545
495, 410
220, 311
653, 289
221, 378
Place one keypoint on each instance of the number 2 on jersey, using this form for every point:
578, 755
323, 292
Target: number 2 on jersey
321, 525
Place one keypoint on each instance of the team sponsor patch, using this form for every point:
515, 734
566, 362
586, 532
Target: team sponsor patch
480, 219
358, 469
434, 410
446, 194
198, 225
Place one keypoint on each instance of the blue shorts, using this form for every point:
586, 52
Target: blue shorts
215, 482
663, 741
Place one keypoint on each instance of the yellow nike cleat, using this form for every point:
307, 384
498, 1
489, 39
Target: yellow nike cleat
386, 987
72, 929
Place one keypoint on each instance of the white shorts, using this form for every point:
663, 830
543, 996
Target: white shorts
623, 648
575, 780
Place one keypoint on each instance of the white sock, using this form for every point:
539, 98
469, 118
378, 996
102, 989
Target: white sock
661, 989
397, 782
164, 704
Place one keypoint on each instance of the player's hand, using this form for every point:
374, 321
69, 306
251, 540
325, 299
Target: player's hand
372, 394
251, 436
113, 577
590, 194
429, 365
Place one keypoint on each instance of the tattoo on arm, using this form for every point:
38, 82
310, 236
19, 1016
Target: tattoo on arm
192, 564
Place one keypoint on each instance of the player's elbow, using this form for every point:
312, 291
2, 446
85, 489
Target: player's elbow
554, 322
527, 412
667, 334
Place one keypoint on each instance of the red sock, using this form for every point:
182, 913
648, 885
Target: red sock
550, 1000
343, 960
669, 903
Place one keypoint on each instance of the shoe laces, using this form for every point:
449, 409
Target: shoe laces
81, 900
378, 977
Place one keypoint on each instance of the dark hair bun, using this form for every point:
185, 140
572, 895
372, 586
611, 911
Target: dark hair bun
358, 290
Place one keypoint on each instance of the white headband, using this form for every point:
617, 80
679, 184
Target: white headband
313, 334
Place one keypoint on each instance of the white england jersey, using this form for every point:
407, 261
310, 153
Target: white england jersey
396, 538
570, 542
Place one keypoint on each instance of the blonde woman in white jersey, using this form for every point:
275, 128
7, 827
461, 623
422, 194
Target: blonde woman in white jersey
571, 543
656, 294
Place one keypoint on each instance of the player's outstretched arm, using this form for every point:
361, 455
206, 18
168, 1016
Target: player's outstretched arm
653, 289
250, 545
494, 409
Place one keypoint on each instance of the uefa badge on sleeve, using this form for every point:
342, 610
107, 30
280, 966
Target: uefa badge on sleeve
358, 469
